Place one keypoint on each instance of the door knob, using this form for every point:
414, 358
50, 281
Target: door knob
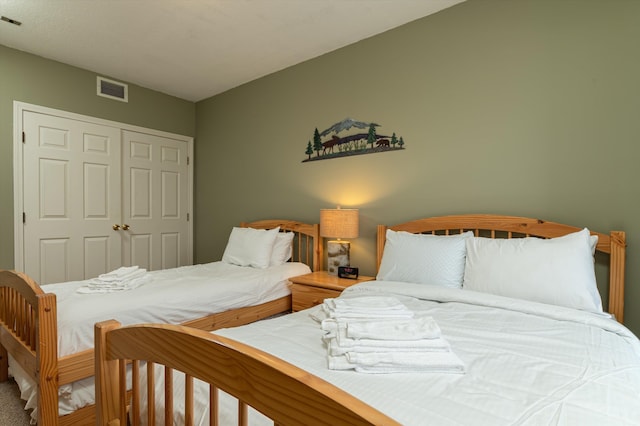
125, 226
116, 227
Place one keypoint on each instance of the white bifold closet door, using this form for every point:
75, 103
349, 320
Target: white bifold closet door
98, 197
154, 201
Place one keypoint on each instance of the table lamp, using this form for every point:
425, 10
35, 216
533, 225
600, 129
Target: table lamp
338, 223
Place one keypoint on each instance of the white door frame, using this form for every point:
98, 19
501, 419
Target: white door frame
18, 204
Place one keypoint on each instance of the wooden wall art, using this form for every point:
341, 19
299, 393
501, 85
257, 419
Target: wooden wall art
331, 144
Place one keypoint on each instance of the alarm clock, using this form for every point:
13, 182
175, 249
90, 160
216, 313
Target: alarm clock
348, 272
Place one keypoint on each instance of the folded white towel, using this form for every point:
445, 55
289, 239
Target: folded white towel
340, 362
399, 369
328, 310
425, 345
407, 359
121, 273
366, 307
330, 325
394, 329
319, 315
365, 303
98, 286
380, 363
344, 315
346, 342
131, 276
419, 327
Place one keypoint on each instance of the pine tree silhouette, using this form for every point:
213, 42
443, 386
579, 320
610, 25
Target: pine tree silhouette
317, 143
371, 138
309, 150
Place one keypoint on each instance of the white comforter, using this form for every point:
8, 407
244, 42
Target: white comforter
526, 363
170, 296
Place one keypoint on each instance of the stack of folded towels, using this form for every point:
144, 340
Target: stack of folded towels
124, 278
376, 334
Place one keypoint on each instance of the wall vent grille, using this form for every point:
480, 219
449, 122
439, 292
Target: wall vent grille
113, 89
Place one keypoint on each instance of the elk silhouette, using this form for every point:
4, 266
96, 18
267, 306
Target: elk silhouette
328, 145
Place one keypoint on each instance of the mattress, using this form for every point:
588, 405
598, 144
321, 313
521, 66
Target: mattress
169, 296
526, 363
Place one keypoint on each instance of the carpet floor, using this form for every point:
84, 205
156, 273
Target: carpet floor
12, 412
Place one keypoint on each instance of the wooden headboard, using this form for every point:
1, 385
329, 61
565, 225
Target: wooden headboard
307, 244
497, 226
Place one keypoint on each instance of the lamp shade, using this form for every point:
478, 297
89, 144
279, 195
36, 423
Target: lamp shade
339, 223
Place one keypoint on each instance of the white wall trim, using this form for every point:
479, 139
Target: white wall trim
18, 201
18, 206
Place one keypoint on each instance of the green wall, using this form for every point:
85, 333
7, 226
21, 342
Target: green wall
33, 79
520, 107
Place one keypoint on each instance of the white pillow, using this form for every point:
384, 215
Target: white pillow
424, 259
557, 271
250, 247
593, 243
282, 249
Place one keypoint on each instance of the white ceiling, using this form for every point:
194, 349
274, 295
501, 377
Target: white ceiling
194, 49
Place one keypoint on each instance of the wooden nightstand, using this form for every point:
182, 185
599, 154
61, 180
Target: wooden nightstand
311, 289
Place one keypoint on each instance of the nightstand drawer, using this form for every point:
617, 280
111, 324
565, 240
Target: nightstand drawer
304, 296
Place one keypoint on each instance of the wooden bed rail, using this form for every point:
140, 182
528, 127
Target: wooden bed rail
281, 391
497, 226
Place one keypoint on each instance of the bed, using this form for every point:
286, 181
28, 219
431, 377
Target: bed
49, 350
563, 360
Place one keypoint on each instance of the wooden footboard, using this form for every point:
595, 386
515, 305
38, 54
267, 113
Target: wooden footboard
279, 390
28, 333
81, 365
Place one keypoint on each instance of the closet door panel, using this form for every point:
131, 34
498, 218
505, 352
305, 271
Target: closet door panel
170, 250
139, 250
71, 196
96, 251
155, 185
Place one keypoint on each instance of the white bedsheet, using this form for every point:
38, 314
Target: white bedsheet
526, 363
171, 296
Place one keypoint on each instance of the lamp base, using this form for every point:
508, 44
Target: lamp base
337, 255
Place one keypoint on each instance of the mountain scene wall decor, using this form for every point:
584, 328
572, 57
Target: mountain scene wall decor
350, 137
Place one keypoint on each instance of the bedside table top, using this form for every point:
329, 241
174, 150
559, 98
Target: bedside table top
324, 280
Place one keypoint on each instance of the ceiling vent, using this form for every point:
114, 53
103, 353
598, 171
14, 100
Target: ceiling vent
113, 89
